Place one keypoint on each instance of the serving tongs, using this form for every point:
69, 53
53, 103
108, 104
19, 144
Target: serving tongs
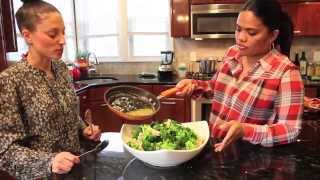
167, 93
97, 149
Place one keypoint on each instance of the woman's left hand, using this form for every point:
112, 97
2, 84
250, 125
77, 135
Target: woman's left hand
234, 131
92, 134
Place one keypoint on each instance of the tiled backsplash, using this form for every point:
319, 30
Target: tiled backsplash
128, 67
213, 48
205, 48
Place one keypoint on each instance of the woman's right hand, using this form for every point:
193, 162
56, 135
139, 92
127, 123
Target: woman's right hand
186, 87
63, 162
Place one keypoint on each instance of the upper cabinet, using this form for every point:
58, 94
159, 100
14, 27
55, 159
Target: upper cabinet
7, 31
3, 62
8, 23
215, 1
305, 17
240, 1
180, 18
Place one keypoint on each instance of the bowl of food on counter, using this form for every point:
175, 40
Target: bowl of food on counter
131, 103
165, 144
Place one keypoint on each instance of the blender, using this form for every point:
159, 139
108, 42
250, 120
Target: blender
165, 71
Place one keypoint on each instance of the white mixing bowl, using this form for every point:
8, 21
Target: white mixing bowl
167, 158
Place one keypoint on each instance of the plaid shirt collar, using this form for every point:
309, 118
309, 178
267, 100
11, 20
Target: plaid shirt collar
269, 62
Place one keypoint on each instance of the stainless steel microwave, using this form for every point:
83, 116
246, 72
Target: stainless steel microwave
214, 20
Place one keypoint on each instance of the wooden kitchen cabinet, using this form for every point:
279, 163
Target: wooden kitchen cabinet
106, 119
311, 92
305, 17
3, 62
145, 87
216, 1
7, 32
177, 108
172, 108
5, 176
180, 18
83, 103
101, 115
238, 1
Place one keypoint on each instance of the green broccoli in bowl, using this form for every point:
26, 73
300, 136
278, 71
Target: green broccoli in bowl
170, 135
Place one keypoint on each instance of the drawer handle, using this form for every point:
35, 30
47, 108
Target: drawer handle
168, 103
296, 31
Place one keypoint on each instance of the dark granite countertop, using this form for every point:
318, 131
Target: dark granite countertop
299, 160
309, 83
108, 79
111, 79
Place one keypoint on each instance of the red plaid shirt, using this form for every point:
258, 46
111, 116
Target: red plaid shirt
269, 101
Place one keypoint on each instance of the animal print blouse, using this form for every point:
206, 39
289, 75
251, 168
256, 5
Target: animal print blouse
38, 118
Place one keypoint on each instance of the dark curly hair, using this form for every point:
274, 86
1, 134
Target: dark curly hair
272, 16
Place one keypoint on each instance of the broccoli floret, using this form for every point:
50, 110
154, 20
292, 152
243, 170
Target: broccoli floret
168, 145
136, 132
148, 146
135, 144
191, 144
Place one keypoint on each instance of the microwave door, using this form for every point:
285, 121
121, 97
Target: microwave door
213, 25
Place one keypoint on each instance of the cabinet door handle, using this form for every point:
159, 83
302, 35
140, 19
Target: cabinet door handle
168, 103
296, 31
84, 97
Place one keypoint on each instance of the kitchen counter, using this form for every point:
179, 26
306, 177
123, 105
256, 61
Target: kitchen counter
108, 79
299, 160
105, 79
309, 83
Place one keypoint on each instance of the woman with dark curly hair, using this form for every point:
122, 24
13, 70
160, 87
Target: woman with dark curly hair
258, 92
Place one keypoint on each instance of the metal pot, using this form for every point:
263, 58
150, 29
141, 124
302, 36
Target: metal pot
206, 66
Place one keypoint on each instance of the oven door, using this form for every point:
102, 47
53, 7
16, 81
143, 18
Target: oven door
200, 109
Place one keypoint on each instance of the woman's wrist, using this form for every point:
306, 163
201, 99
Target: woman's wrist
50, 163
248, 131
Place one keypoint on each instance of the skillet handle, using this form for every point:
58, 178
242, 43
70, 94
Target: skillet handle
168, 92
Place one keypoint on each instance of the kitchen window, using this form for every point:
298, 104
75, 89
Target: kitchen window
115, 30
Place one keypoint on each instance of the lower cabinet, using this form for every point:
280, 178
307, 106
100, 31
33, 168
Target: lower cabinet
311, 92
172, 108
176, 108
83, 103
102, 116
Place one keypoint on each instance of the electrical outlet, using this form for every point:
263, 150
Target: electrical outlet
316, 56
193, 56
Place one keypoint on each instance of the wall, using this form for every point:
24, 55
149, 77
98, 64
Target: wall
212, 48
128, 67
205, 48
